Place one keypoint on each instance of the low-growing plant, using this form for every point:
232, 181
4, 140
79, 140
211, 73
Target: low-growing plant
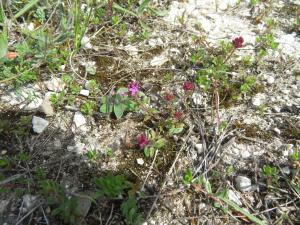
261, 109
129, 211
93, 87
118, 103
271, 175
264, 2
68, 207
149, 142
24, 127
98, 158
111, 186
88, 107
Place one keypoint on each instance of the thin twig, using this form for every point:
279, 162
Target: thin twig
43, 165
150, 169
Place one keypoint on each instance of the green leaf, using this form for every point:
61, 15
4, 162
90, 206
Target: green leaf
104, 108
129, 105
56, 211
159, 13
26, 8
118, 109
99, 193
3, 190
147, 151
145, 26
109, 176
142, 6
189, 173
2, 17
208, 187
175, 131
63, 206
2, 177
72, 218
63, 37
158, 145
52, 201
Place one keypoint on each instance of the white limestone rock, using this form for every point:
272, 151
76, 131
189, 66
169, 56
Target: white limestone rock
242, 183
55, 84
79, 119
39, 124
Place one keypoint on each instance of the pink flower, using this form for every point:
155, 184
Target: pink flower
123, 94
169, 97
143, 141
133, 88
238, 42
188, 86
177, 115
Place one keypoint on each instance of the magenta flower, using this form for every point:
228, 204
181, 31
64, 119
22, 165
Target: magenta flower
133, 88
188, 86
177, 115
238, 42
169, 97
123, 94
143, 141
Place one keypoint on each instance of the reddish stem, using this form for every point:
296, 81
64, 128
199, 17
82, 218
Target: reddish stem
204, 192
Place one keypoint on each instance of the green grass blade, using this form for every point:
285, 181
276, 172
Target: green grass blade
142, 6
26, 8
145, 26
159, 13
2, 15
231, 204
3, 45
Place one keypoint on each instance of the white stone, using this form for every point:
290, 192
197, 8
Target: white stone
285, 91
245, 154
132, 50
62, 67
256, 101
30, 27
199, 148
270, 80
285, 153
70, 148
55, 84
232, 196
88, 44
84, 92
242, 183
39, 124
197, 98
140, 161
79, 119
276, 109
294, 86
158, 61
286, 170
277, 130
152, 42
189, 9
34, 104
29, 201
206, 25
